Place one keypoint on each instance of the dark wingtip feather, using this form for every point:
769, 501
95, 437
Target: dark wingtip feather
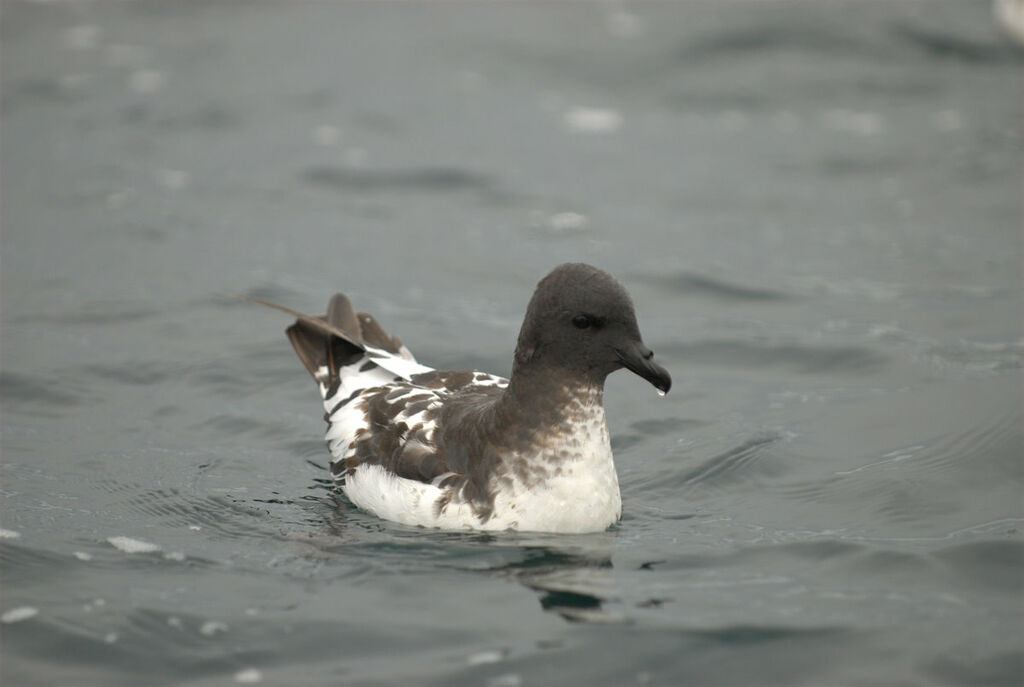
341, 315
320, 343
374, 335
317, 322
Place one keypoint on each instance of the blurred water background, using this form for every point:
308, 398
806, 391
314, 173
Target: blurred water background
816, 206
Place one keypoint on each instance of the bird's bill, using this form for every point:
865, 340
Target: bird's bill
639, 359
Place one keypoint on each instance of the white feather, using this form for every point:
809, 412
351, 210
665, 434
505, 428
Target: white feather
404, 367
581, 494
582, 497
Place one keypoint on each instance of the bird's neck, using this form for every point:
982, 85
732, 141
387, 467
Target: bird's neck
545, 398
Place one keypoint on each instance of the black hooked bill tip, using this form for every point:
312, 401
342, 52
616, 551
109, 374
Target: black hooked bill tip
639, 359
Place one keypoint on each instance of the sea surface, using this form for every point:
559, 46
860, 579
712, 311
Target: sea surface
817, 208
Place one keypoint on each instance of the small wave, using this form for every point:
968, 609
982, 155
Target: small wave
238, 425
895, 500
274, 293
749, 460
766, 39
950, 46
98, 313
819, 550
430, 179
987, 564
1003, 668
208, 117
646, 429
888, 562
729, 466
42, 391
135, 373
313, 451
17, 615
977, 355
909, 485
758, 634
801, 358
130, 545
218, 514
992, 449
688, 283
22, 563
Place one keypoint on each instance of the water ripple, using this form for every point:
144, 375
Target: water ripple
213, 513
647, 429
799, 357
986, 564
1003, 668
431, 179
689, 283
43, 394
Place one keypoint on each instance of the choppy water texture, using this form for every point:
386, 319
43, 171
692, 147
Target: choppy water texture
816, 206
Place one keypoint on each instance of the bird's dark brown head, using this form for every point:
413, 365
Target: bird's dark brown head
580, 323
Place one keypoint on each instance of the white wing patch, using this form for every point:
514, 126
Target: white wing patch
407, 501
404, 366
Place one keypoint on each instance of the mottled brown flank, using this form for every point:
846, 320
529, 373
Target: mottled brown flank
482, 436
393, 444
341, 404
471, 440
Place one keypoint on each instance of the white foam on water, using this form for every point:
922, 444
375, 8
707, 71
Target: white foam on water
566, 222
121, 55
146, 81
16, 615
506, 680
623, 24
82, 555
212, 627
249, 676
481, 658
948, 120
174, 179
326, 135
593, 120
1010, 16
118, 199
356, 157
857, 123
82, 37
129, 545
9, 534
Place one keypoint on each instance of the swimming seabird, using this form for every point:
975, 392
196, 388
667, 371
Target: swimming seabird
471, 450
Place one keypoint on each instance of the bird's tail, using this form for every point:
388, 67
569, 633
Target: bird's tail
327, 343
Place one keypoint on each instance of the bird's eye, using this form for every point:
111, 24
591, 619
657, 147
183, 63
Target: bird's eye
581, 321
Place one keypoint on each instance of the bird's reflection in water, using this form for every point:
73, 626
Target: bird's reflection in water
572, 574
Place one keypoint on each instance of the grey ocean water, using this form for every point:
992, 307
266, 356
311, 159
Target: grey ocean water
816, 206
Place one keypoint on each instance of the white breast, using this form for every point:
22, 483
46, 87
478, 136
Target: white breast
580, 495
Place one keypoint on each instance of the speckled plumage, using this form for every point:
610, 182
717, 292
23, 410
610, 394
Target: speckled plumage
469, 450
